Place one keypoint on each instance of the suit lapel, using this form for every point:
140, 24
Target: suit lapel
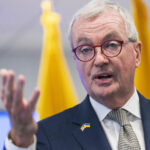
145, 114
92, 136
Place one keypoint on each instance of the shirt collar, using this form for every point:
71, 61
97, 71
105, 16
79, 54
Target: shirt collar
132, 106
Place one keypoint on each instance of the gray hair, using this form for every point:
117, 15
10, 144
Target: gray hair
95, 7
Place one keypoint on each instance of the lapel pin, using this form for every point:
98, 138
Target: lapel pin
84, 126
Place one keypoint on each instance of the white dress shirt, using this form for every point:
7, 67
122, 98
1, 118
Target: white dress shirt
111, 128
10, 146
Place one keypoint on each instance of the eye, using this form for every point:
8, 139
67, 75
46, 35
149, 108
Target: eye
111, 45
86, 49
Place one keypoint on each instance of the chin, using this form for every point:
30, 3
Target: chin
103, 92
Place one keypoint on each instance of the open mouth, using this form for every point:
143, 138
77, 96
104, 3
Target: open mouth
103, 76
103, 79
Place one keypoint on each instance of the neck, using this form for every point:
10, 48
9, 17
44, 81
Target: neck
115, 101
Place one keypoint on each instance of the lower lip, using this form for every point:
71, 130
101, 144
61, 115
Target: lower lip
104, 81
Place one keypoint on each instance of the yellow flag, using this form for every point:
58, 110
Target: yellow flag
57, 92
142, 76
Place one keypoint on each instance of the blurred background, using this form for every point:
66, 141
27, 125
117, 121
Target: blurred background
21, 40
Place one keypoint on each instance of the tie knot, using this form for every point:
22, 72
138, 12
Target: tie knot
119, 115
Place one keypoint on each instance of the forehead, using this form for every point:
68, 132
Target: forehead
108, 24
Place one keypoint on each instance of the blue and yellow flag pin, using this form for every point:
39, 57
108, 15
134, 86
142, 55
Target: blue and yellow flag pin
84, 126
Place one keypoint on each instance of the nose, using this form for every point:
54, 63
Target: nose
100, 59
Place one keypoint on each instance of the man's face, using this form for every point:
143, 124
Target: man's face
104, 77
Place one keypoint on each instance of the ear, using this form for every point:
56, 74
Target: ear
138, 48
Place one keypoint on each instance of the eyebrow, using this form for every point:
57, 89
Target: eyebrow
109, 36
112, 35
84, 39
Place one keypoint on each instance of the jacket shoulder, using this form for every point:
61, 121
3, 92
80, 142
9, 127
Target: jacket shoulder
59, 121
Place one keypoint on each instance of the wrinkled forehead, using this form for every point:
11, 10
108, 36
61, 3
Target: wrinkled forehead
107, 19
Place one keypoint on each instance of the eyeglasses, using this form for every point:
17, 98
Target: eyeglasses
110, 48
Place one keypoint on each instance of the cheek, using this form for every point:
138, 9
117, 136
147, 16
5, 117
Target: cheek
129, 57
84, 70
131, 62
128, 65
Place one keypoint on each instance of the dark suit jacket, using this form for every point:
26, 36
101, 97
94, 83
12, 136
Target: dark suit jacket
63, 131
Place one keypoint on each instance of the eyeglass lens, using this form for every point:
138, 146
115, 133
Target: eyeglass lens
109, 48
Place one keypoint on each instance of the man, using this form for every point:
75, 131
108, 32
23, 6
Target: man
113, 115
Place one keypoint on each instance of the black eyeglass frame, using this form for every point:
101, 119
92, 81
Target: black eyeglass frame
100, 45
